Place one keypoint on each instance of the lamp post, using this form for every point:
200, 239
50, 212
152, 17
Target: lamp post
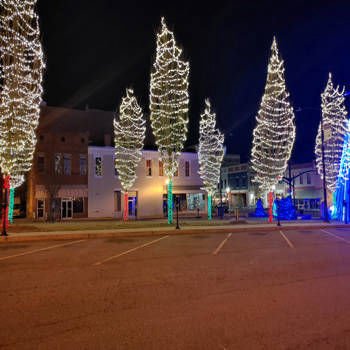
326, 218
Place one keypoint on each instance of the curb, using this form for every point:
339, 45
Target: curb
93, 234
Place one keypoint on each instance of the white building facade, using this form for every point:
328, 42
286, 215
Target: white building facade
147, 199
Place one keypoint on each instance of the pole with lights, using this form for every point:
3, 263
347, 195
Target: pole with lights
129, 135
274, 134
21, 73
210, 153
169, 102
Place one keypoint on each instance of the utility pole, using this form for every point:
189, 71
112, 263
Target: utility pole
326, 218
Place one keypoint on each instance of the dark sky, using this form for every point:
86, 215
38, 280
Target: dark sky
96, 48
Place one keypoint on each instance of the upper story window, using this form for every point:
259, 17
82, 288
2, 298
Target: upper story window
116, 173
41, 163
98, 166
301, 179
308, 178
148, 167
161, 168
82, 165
58, 164
187, 168
63, 139
177, 172
67, 164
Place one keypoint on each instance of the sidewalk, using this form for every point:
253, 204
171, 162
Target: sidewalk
168, 230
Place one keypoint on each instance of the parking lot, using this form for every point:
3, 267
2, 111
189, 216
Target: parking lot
285, 289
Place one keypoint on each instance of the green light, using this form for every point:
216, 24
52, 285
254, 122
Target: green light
11, 205
209, 207
170, 201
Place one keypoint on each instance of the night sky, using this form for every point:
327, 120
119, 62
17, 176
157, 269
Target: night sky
95, 49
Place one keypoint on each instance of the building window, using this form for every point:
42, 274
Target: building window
41, 163
58, 164
82, 165
117, 201
148, 167
308, 178
187, 168
177, 172
67, 164
301, 179
78, 205
40, 208
116, 173
63, 139
98, 166
161, 168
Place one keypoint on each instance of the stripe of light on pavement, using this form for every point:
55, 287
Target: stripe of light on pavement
217, 250
336, 236
129, 251
40, 250
287, 240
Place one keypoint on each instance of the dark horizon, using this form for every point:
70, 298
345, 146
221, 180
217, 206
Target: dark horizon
95, 51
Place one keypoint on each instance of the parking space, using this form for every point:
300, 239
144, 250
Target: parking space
199, 291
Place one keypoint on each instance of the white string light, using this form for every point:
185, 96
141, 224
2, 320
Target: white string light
21, 74
335, 126
274, 134
129, 135
211, 150
169, 99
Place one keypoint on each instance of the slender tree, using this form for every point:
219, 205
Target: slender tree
21, 72
210, 153
274, 134
129, 135
169, 104
335, 126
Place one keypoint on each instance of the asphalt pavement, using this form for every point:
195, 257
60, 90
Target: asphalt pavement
250, 290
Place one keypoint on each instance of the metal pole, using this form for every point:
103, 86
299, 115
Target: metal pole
290, 179
326, 218
4, 211
177, 212
278, 212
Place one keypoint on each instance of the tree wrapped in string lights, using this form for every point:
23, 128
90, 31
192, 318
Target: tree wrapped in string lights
21, 73
335, 127
169, 104
274, 134
210, 153
129, 135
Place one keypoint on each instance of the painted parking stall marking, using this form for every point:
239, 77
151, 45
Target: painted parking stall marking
217, 250
336, 236
287, 240
129, 251
41, 250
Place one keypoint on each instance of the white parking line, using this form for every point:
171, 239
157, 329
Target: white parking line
216, 251
287, 240
41, 249
129, 251
333, 235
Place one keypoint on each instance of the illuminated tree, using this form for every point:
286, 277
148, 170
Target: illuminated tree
274, 134
129, 135
169, 104
334, 117
210, 153
21, 72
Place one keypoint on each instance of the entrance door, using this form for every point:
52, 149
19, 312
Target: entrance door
67, 208
132, 206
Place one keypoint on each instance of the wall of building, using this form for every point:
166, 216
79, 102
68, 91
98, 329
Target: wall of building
149, 188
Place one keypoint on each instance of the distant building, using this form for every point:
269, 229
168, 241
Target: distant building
147, 198
57, 185
237, 180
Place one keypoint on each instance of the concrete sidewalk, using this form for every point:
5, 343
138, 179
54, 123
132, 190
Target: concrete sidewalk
158, 231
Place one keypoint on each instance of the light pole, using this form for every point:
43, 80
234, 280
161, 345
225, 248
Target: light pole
326, 218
